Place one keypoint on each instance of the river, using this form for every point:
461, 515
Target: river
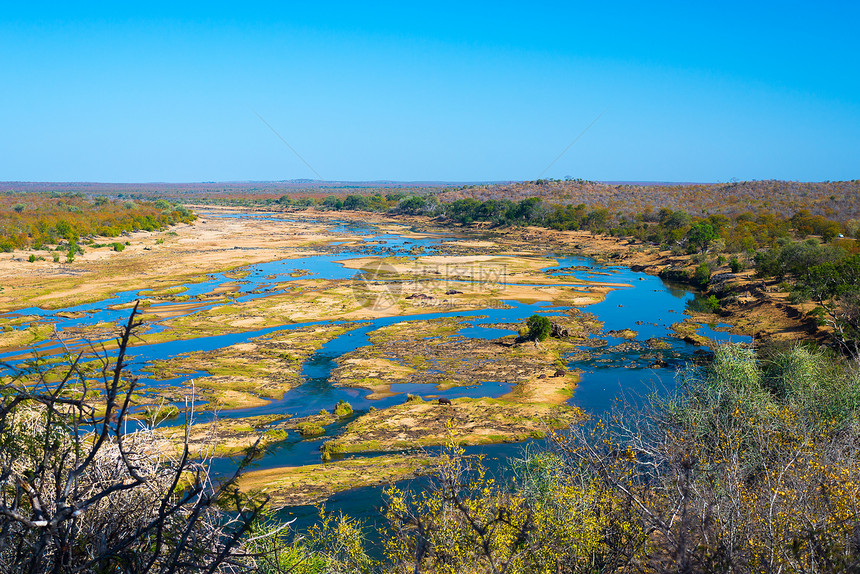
647, 305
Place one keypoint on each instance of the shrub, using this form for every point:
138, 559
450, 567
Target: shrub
310, 429
735, 265
712, 304
728, 474
32, 258
539, 327
117, 246
80, 494
700, 236
702, 275
342, 409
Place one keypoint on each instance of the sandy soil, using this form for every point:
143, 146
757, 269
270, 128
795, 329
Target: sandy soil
188, 253
314, 483
418, 423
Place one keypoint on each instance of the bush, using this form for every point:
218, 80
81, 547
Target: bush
310, 429
700, 236
702, 275
729, 474
712, 304
735, 265
342, 409
117, 246
80, 494
539, 327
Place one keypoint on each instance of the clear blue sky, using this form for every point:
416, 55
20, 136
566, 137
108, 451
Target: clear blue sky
692, 91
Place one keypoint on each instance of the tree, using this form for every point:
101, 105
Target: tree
700, 236
539, 327
836, 287
412, 205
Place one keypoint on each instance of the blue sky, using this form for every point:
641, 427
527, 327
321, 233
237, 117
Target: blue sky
688, 91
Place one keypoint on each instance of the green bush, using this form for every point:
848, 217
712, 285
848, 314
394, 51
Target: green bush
117, 246
342, 409
712, 304
735, 265
310, 429
539, 327
702, 275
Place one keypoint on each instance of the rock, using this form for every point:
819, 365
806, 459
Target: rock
720, 277
623, 334
558, 331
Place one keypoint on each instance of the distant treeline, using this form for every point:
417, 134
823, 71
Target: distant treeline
34, 220
743, 232
819, 257
836, 200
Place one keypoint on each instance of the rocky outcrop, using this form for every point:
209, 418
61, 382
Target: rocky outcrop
559, 331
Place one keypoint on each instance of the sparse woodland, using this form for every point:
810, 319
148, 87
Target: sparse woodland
38, 221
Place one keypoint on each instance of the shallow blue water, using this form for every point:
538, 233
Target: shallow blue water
645, 304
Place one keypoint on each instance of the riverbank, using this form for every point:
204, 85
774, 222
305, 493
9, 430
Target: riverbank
752, 306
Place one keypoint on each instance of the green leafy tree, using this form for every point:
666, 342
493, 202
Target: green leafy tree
700, 236
539, 327
836, 287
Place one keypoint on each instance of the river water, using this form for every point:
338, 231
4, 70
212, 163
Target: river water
648, 306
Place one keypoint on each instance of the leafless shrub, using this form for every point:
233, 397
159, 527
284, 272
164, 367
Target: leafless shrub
80, 494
